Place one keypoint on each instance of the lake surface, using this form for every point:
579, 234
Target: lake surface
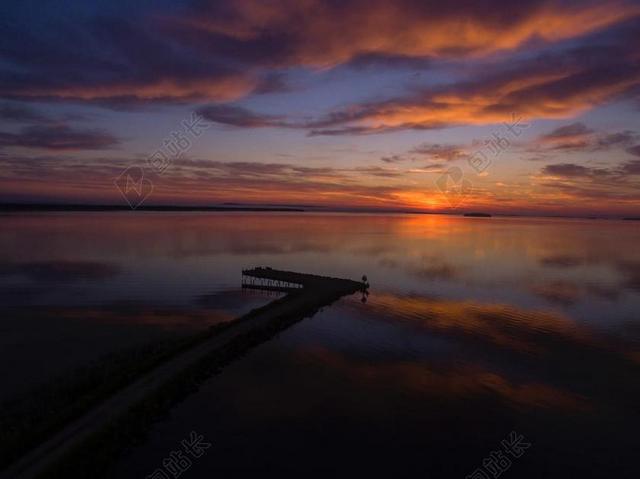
478, 333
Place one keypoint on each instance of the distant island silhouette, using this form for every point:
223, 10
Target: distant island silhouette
478, 215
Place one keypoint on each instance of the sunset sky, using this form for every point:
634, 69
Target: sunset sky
526, 107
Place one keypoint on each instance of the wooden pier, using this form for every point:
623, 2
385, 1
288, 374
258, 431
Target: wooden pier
168, 383
258, 279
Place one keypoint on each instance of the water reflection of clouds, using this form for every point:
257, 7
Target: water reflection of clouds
600, 276
424, 268
631, 272
25, 283
552, 263
451, 382
567, 293
504, 344
64, 271
562, 261
502, 325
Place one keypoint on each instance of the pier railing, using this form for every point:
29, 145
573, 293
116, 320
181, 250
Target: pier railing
269, 279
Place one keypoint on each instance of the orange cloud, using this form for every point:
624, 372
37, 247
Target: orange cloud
221, 51
226, 88
532, 94
322, 34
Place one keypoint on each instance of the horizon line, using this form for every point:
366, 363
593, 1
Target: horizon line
250, 207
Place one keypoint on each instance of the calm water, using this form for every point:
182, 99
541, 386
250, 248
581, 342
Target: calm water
474, 328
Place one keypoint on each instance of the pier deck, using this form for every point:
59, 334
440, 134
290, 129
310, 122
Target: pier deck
289, 281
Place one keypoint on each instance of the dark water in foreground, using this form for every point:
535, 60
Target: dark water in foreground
475, 328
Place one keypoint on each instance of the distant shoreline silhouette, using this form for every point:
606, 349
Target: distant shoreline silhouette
230, 207
168, 208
